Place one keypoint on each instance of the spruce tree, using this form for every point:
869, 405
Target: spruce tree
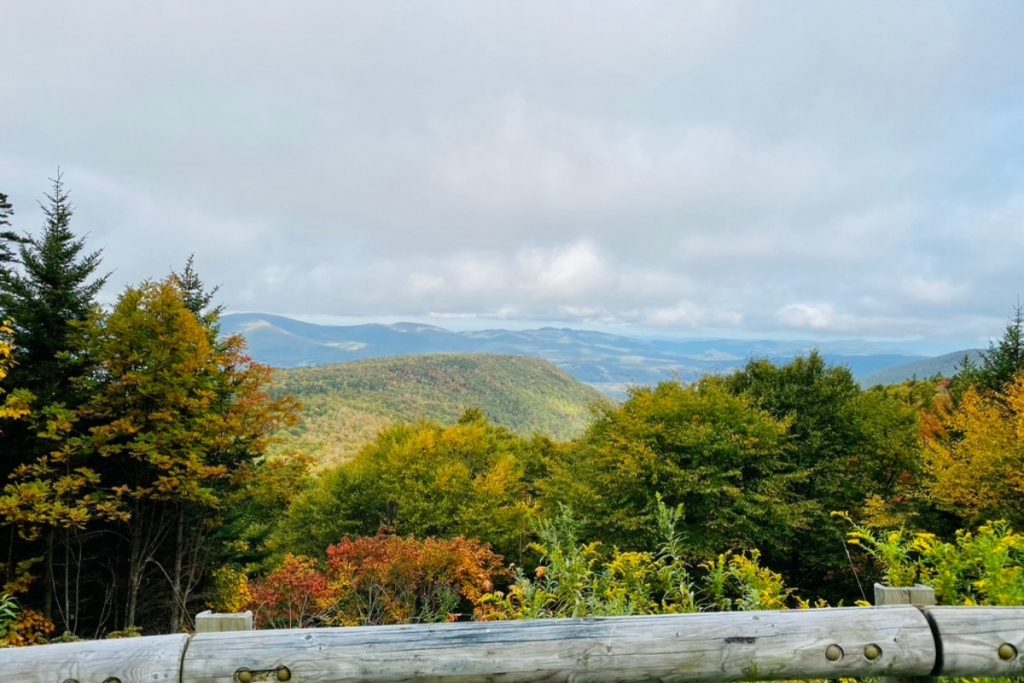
197, 297
999, 364
1004, 360
55, 286
51, 288
8, 238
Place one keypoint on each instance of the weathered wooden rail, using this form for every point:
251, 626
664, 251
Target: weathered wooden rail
902, 641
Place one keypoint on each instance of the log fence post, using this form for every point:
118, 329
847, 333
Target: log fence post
219, 622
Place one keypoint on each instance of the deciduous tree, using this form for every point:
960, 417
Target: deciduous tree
974, 453
699, 446
847, 446
172, 413
472, 479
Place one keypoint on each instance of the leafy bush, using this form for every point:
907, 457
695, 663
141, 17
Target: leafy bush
577, 579
984, 567
230, 590
382, 579
294, 595
20, 627
392, 580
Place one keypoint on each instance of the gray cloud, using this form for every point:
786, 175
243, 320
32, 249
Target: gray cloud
783, 168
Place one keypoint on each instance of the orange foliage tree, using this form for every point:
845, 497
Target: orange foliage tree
974, 453
382, 579
294, 595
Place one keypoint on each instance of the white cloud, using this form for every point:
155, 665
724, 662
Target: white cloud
837, 170
803, 316
933, 291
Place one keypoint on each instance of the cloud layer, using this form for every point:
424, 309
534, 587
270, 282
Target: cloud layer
751, 168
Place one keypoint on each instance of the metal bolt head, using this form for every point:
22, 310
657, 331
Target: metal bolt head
1007, 652
872, 652
833, 653
243, 676
284, 674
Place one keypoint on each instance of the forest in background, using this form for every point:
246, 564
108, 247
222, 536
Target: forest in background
345, 406
137, 487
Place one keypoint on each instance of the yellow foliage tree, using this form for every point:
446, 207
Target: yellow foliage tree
974, 452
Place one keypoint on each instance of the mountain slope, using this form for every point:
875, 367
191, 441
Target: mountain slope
945, 365
346, 405
604, 360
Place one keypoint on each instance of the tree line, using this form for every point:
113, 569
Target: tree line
125, 430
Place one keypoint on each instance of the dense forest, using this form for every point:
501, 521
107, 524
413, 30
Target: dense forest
345, 405
139, 485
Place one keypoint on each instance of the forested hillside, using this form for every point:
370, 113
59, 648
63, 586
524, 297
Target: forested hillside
610, 362
345, 406
945, 365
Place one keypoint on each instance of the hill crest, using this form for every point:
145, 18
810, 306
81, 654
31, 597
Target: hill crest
346, 405
607, 361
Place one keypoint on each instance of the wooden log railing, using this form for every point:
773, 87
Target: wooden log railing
903, 641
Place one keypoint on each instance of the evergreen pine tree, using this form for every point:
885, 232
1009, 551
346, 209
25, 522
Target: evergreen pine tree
196, 297
8, 238
55, 286
1005, 359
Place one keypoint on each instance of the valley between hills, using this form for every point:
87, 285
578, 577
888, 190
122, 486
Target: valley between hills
355, 380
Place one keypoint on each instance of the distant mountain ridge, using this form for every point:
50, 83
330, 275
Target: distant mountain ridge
606, 361
345, 406
945, 365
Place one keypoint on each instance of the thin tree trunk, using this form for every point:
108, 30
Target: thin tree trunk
9, 566
179, 552
48, 589
135, 567
68, 612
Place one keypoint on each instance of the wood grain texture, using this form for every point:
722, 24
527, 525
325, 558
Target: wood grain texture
971, 637
699, 647
154, 659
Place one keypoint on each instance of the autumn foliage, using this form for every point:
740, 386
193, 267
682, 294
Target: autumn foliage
974, 453
382, 579
294, 595
139, 480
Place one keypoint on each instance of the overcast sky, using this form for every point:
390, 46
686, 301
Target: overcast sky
801, 169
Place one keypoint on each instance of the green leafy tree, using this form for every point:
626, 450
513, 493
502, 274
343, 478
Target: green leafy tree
470, 479
258, 497
847, 445
701, 447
